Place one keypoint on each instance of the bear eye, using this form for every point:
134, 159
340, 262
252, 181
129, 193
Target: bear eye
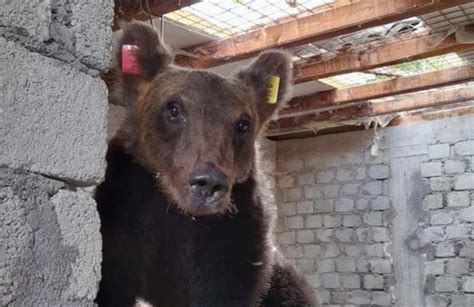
175, 111
243, 125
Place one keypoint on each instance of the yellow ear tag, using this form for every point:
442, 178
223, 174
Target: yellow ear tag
273, 85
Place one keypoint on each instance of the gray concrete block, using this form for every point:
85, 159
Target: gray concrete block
446, 284
378, 171
287, 209
286, 181
360, 297
77, 32
431, 169
458, 231
462, 300
467, 214
344, 174
362, 204
339, 298
344, 204
454, 167
436, 301
373, 282
332, 221
325, 176
444, 249
457, 266
375, 250
353, 250
464, 182
381, 299
372, 188
441, 183
373, 218
362, 266
324, 206
344, 235
313, 192
351, 220
51, 244
351, 281
293, 194
53, 117
434, 267
433, 201
305, 265
326, 265
294, 251
331, 251
438, 151
380, 203
345, 265
380, 234
294, 222
330, 191
304, 207
440, 217
311, 251
290, 166
381, 266
360, 173
464, 148
305, 236
324, 235
433, 234
305, 179
287, 237
468, 284
349, 189
331, 280
314, 221
458, 199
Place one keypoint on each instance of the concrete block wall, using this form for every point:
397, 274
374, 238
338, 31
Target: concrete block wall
388, 230
53, 119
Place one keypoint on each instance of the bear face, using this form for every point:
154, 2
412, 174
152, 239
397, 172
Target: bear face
196, 129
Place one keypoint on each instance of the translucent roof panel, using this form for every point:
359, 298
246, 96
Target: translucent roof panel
450, 18
222, 19
450, 60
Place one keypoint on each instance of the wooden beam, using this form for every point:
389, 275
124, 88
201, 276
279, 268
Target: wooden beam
137, 9
367, 109
395, 53
324, 25
397, 86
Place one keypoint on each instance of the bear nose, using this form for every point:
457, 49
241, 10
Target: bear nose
208, 186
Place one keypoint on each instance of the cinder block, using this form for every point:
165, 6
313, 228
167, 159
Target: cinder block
373, 218
345, 265
360, 173
444, 249
454, 167
331, 251
458, 199
467, 214
325, 176
381, 266
313, 192
294, 251
287, 237
306, 179
326, 265
441, 217
305, 236
468, 284
351, 220
286, 182
293, 194
446, 284
324, 235
458, 231
433, 201
436, 301
372, 188
77, 32
374, 250
344, 235
306, 265
362, 204
441, 184
373, 282
332, 221
462, 300
53, 117
351, 281
362, 266
286, 209
51, 243
331, 280
349, 189
380, 203
324, 206
344, 204
343, 175
339, 297
304, 207
360, 297
294, 222
381, 298
434, 234
353, 250
457, 266
330, 191
311, 250
380, 234
438, 151
378, 171
431, 169
464, 148
314, 221
464, 182
434, 267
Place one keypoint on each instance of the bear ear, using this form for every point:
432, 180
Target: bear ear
270, 77
139, 56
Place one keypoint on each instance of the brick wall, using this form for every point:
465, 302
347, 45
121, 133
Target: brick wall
392, 229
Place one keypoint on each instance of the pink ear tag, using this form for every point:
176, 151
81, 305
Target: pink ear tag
130, 63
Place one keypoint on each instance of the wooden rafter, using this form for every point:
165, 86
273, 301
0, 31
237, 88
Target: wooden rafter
324, 25
397, 86
395, 53
368, 109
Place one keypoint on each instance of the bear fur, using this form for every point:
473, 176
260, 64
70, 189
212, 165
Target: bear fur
166, 240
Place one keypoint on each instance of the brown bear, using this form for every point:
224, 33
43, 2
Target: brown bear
183, 222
